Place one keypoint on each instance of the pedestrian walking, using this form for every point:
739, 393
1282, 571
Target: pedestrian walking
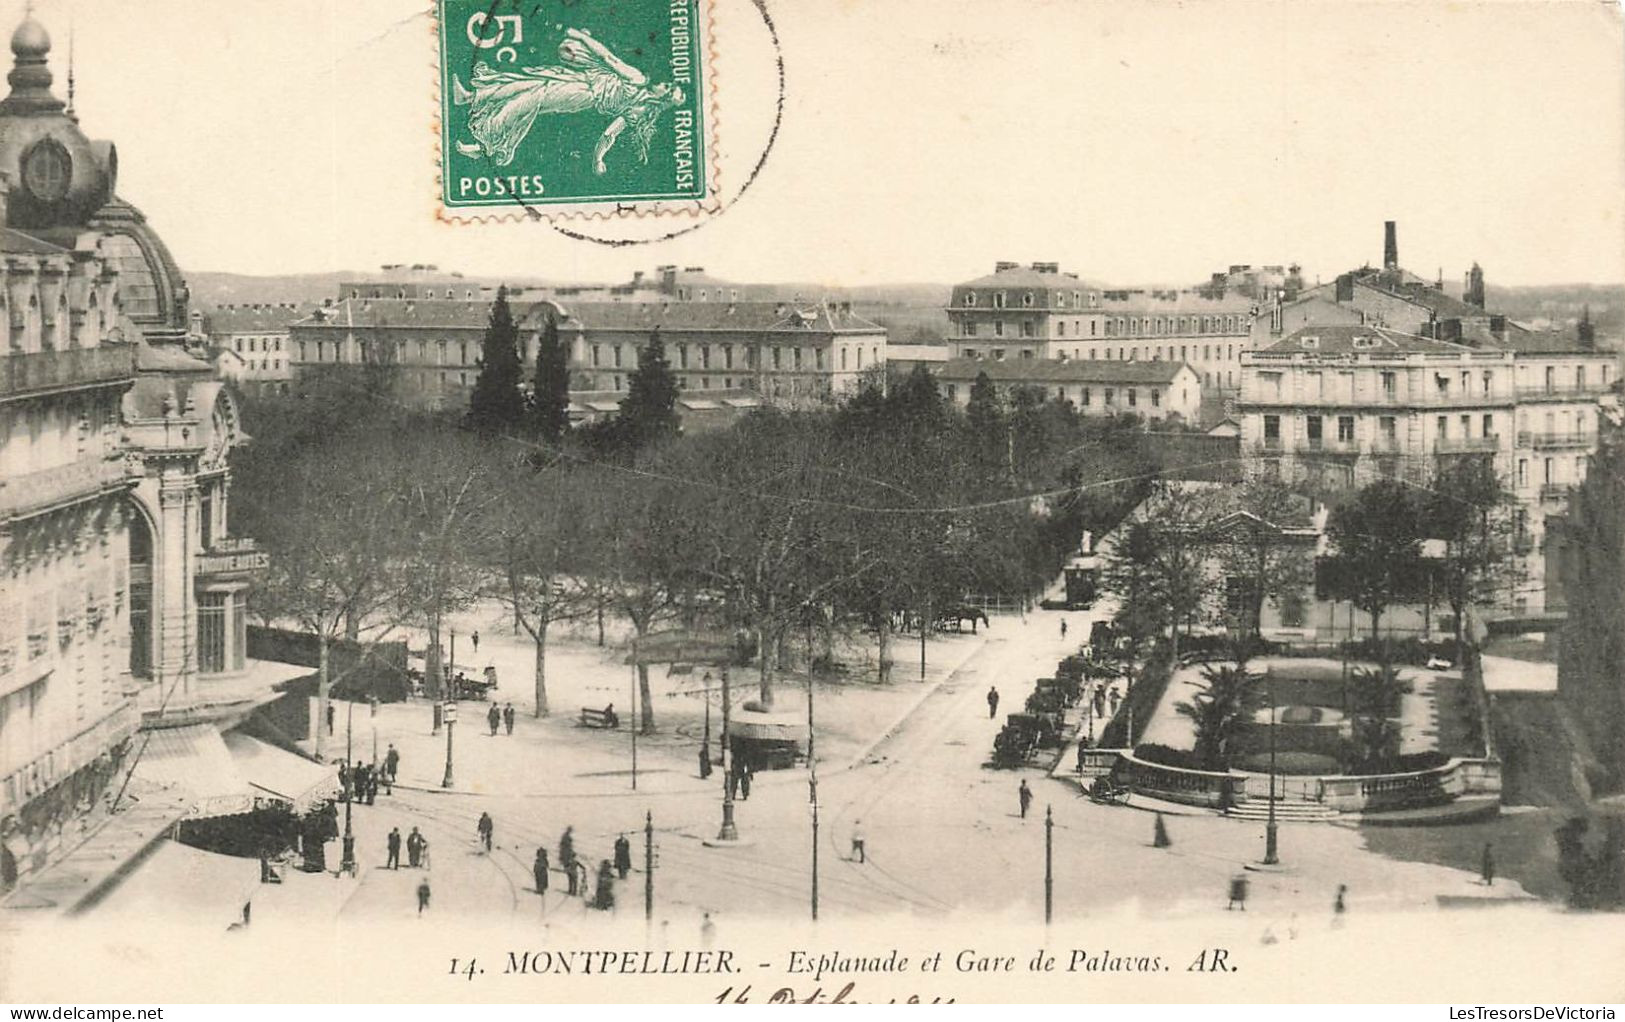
858, 850
1238, 893
486, 826
1025, 794
414, 849
1100, 702
992, 703
603, 897
476, 639
344, 781
392, 762
538, 869
745, 774
494, 718
372, 785
623, 856
1338, 907
567, 851
507, 717
1063, 627
705, 760
1487, 866
423, 848
394, 849
423, 895
330, 716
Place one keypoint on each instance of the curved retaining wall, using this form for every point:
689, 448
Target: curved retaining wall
1370, 793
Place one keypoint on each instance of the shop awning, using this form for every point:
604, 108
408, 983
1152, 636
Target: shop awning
181, 882
193, 761
273, 773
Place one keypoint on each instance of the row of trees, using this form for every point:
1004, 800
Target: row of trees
1168, 564
790, 530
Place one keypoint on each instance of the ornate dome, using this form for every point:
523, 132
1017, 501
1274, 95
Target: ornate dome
30, 39
58, 177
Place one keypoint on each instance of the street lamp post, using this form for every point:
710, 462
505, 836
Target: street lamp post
347, 860
451, 723
1270, 857
634, 715
812, 796
729, 831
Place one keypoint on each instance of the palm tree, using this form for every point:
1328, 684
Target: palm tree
1221, 711
1374, 736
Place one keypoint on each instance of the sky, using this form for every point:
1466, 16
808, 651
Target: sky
920, 141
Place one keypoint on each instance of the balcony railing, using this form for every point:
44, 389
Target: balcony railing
34, 492
1554, 491
1539, 440
1564, 391
68, 369
1467, 445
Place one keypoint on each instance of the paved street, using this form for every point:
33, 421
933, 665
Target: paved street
943, 830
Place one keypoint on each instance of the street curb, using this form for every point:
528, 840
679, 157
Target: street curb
902, 718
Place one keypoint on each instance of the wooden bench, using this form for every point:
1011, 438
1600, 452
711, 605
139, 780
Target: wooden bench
598, 718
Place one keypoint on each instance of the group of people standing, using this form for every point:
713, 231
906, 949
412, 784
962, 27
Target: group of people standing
359, 782
602, 894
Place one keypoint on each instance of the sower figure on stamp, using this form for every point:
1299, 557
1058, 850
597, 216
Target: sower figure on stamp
503, 105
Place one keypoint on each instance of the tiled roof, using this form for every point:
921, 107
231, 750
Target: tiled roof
1543, 342
405, 314
1032, 370
756, 317
1427, 296
1339, 340
1200, 303
243, 319
16, 241
1022, 276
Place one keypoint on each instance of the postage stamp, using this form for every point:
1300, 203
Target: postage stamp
595, 107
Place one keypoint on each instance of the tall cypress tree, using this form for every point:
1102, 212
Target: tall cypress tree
550, 402
497, 406
649, 409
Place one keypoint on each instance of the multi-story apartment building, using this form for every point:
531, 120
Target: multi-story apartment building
119, 594
1342, 405
1154, 391
1039, 312
249, 343
782, 351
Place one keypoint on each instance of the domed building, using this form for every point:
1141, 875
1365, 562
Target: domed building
122, 599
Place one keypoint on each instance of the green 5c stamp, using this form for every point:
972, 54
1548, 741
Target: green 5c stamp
594, 106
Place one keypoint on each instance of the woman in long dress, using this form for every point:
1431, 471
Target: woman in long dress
504, 104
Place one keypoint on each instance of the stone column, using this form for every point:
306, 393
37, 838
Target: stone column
174, 603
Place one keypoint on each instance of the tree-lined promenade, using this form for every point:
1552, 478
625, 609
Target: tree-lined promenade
784, 531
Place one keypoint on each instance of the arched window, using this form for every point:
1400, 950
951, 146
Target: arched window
970, 299
1027, 299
